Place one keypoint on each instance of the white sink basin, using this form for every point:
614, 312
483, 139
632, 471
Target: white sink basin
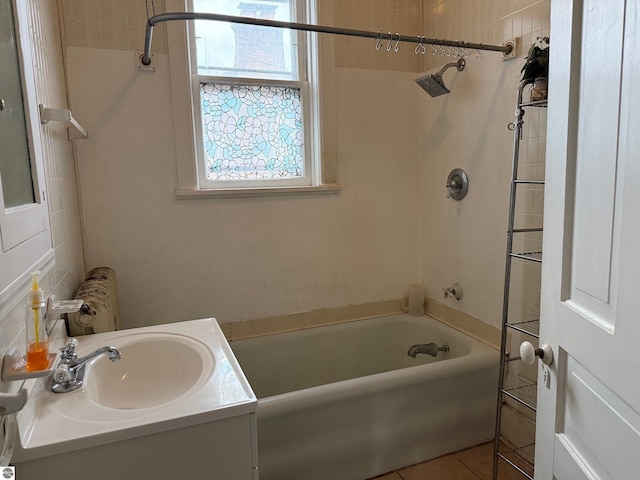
154, 369
169, 377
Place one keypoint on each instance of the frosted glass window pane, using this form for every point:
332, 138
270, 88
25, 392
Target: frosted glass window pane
248, 51
252, 132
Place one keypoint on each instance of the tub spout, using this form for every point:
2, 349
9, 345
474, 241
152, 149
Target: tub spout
427, 348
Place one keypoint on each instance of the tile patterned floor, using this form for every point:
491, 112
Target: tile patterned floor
471, 464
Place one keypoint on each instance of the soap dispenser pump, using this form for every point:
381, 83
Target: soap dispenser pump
37, 344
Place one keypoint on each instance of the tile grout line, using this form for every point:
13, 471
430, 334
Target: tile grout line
467, 467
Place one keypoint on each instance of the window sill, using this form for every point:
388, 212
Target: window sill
259, 192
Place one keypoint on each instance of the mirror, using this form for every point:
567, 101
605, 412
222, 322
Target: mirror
15, 162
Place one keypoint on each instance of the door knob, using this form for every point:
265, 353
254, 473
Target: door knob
528, 353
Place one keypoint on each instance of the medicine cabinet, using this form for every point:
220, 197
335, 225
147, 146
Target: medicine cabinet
25, 236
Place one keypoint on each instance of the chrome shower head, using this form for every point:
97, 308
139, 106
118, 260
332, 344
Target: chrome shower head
433, 83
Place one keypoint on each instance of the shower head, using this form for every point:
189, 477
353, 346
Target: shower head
433, 83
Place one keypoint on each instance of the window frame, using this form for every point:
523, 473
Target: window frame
185, 91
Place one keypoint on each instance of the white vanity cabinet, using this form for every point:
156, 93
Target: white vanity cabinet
206, 430
223, 449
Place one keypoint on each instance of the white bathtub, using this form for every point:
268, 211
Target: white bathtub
346, 402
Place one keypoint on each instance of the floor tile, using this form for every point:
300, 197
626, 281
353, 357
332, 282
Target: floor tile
475, 463
478, 459
389, 476
443, 468
507, 472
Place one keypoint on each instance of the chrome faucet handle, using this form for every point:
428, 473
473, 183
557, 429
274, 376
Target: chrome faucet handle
69, 375
68, 352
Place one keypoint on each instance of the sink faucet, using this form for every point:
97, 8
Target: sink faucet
427, 348
69, 374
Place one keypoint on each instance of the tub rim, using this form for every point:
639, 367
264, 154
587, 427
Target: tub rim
479, 357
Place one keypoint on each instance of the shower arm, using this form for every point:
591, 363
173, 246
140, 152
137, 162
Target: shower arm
145, 58
459, 66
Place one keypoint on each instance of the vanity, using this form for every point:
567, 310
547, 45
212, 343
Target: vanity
175, 406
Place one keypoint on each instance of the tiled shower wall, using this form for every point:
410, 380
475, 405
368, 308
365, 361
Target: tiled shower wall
111, 24
68, 272
239, 259
120, 25
387, 17
465, 241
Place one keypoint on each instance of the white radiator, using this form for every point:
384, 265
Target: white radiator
100, 312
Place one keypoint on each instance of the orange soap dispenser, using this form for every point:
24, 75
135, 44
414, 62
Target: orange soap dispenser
37, 345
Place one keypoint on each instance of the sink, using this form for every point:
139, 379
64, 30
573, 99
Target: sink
154, 369
170, 377
175, 385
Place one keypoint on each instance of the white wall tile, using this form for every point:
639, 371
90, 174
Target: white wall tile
243, 258
467, 129
249, 258
62, 197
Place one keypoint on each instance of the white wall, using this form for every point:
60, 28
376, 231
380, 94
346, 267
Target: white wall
242, 258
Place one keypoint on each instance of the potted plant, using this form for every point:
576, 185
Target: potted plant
536, 68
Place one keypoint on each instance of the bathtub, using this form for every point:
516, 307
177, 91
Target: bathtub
346, 401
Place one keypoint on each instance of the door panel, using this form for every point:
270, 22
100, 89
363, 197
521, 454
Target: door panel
596, 172
588, 425
565, 462
598, 429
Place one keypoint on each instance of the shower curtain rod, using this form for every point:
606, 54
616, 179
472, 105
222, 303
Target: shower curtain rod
391, 37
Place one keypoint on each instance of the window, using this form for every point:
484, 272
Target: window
252, 133
253, 96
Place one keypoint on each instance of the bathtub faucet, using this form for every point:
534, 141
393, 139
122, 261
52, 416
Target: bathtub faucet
69, 373
427, 348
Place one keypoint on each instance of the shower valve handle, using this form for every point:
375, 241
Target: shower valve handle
457, 184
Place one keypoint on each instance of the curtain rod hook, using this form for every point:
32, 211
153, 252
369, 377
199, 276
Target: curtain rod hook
379, 41
420, 48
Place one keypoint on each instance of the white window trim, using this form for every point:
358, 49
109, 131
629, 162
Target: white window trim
25, 231
185, 91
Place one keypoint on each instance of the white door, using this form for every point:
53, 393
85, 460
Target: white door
588, 421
